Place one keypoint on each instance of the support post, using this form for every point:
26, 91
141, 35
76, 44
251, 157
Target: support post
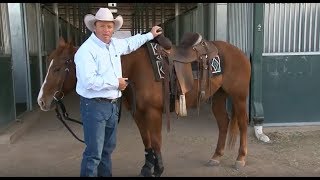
56, 22
256, 107
177, 23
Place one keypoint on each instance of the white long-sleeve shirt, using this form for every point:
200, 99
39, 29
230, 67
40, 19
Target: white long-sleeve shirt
98, 65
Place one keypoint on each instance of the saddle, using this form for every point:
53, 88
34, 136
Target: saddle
194, 58
193, 51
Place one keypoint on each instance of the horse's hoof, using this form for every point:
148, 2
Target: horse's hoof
239, 164
213, 162
158, 171
156, 175
145, 172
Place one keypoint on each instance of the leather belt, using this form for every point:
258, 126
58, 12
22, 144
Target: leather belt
113, 101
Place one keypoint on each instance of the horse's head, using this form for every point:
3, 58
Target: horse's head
60, 78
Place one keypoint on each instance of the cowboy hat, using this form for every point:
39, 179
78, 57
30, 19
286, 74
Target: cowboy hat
103, 14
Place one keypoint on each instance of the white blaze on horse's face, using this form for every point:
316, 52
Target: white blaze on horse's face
43, 105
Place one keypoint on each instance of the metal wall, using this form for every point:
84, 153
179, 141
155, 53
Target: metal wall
290, 63
28, 34
240, 31
240, 25
291, 27
189, 22
48, 21
237, 30
20, 57
5, 47
32, 37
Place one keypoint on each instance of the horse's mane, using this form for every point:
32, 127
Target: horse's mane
60, 49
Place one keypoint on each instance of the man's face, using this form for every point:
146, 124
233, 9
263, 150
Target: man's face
104, 30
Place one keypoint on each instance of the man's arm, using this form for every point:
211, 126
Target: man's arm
132, 43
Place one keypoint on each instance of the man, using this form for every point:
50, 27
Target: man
99, 84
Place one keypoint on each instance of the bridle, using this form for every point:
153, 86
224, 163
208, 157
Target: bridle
60, 109
67, 70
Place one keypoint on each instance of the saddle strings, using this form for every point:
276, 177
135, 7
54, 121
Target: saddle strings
198, 83
209, 67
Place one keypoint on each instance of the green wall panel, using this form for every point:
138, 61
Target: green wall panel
291, 88
35, 78
7, 110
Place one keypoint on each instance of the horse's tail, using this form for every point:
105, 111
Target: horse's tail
233, 131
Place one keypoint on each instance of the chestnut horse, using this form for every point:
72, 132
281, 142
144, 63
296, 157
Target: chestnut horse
233, 83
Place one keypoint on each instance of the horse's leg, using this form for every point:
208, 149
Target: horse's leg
155, 116
144, 132
240, 114
150, 124
220, 113
158, 166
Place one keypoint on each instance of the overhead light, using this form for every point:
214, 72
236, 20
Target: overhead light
112, 4
114, 10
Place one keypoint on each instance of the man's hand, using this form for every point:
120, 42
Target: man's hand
156, 31
122, 83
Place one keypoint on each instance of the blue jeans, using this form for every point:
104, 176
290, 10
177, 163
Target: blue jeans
100, 121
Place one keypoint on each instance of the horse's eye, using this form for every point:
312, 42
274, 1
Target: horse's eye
56, 69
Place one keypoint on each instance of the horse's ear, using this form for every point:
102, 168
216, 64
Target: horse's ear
62, 42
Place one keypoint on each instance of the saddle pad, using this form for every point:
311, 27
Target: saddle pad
156, 60
216, 64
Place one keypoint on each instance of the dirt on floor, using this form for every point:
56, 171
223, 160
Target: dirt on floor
48, 149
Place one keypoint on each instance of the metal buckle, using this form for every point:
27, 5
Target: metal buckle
113, 101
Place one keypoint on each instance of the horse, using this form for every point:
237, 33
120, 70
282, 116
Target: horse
149, 106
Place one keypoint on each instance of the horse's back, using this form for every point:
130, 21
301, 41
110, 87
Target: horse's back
236, 67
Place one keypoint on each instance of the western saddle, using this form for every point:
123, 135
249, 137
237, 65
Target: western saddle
193, 59
193, 51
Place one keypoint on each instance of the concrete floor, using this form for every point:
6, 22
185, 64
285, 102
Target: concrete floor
48, 149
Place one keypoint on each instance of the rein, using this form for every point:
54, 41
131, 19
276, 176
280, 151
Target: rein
62, 115
60, 109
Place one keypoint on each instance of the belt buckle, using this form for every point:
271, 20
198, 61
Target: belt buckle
113, 101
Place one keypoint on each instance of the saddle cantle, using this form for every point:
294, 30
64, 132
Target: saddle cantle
184, 52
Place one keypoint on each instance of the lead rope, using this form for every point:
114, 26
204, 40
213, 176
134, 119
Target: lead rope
62, 115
